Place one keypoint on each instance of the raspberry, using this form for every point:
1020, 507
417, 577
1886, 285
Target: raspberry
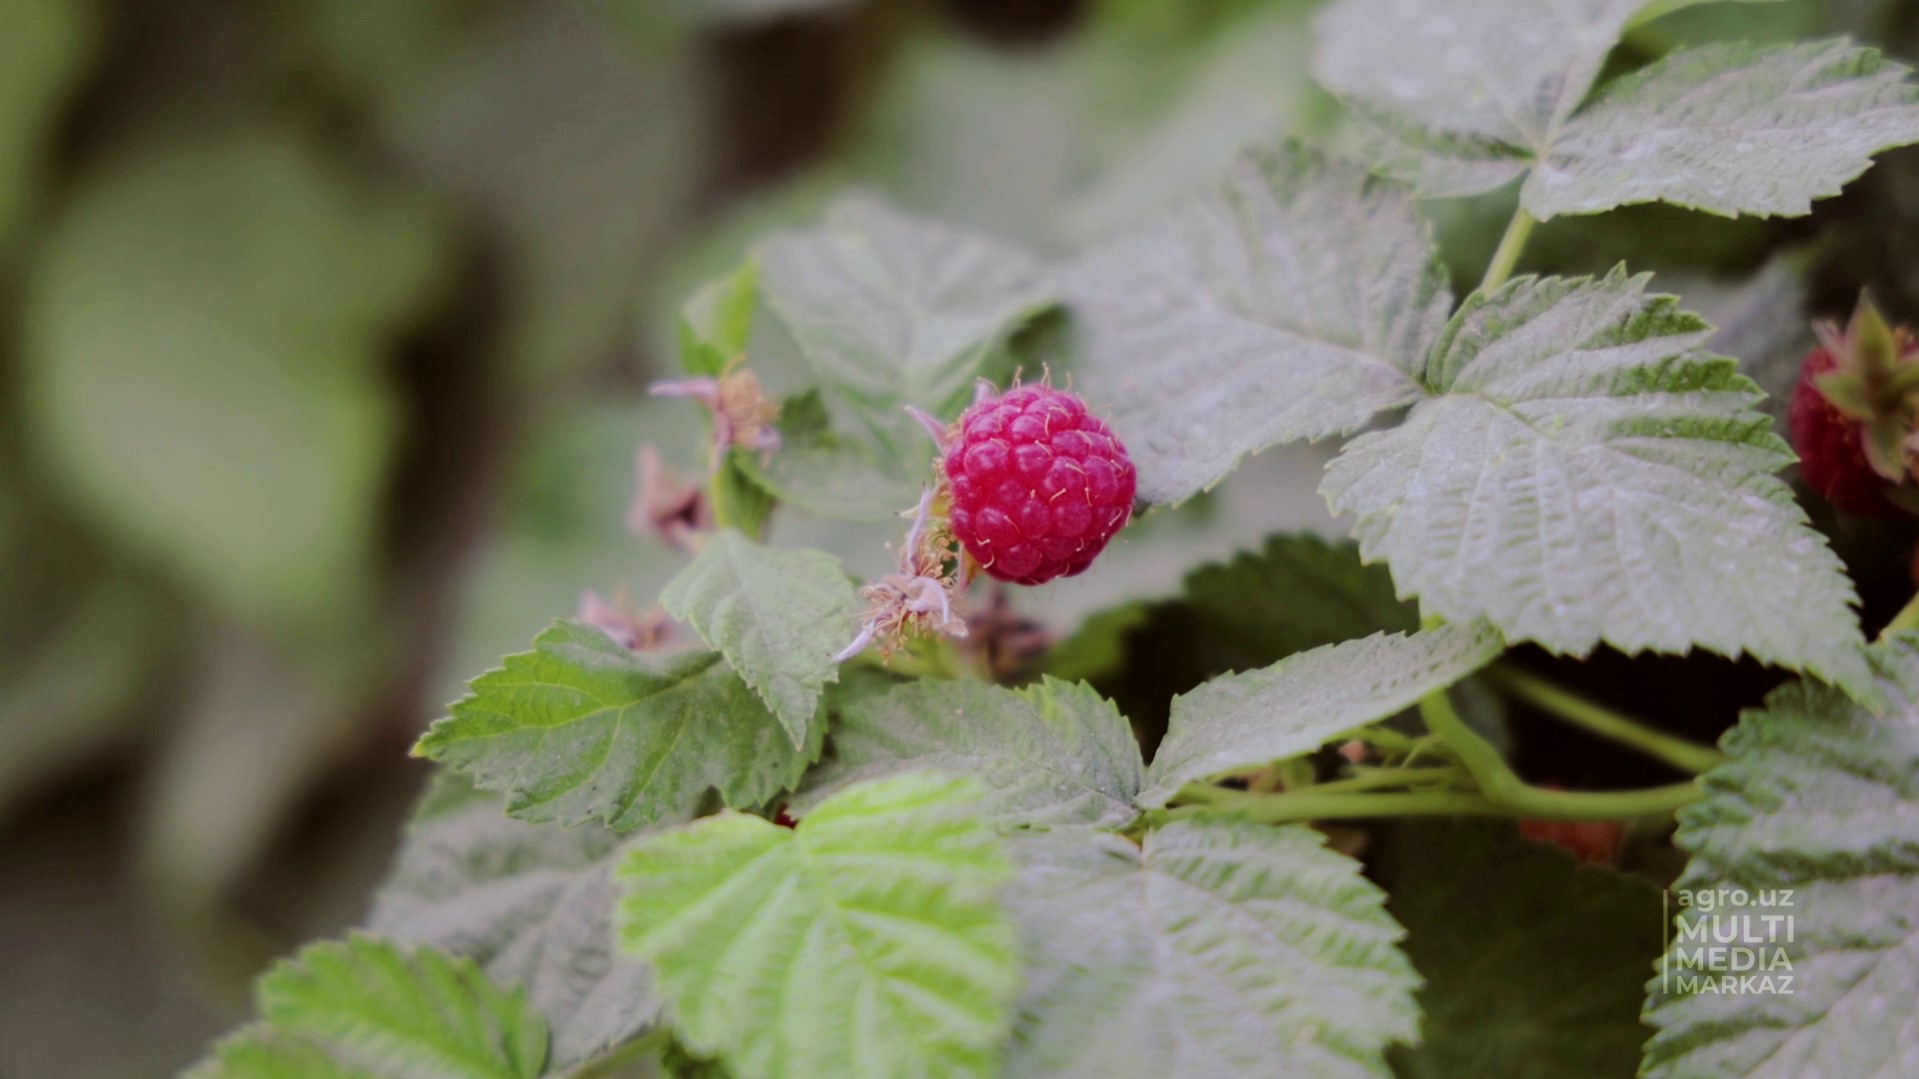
1832, 457
1039, 485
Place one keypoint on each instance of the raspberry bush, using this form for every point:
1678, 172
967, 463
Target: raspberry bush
1302, 817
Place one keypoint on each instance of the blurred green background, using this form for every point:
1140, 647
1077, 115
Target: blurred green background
324, 333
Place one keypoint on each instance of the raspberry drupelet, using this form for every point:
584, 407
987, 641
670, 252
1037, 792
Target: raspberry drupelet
1038, 485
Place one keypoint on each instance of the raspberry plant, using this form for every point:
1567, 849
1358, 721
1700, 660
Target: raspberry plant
759, 847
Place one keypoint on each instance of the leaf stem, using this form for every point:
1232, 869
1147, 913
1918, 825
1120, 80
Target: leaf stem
1907, 618
1507, 255
1321, 804
1589, 715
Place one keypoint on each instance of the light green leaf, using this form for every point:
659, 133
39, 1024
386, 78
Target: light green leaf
1817, 796
1729, 129
531, 903
720, 315
868, 943
201, 348
581, 729
1219, 947
1585, 474
778, 616
1547, 982
364, 1007
893, 311
1295, 304
1051, 754
1303, 701
825, 475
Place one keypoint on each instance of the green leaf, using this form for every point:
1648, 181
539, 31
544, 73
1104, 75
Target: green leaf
364, 1007
531, 903
1300, 591
201, 343
1051, 754
42, 56
581, 729
1729, 129
1295, 304
1302, 702
1817, 796
778, 617
1547, 982
869, 942
825, 475
1584, 474
893, 311
1218, 947
717, 322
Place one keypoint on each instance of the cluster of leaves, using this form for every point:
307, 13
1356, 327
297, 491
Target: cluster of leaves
993, 880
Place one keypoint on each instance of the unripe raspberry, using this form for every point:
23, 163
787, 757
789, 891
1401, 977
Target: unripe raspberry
1038, 484
1832, 456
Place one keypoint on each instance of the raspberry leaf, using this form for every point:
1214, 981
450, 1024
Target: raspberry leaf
893, 311
716, 323
1295, 706
531, 903
581, 729
364, 1007
1217, 947
1050, 754
1816, 796
1729, 129
869, 941
1294, 304
824, 474
776, 615
1460, 99
1584, 474
1549, 983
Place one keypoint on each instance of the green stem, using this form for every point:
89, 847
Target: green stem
1504, 789
1589, 715
1376, 778
1907, 618
1507, 254
1321, 804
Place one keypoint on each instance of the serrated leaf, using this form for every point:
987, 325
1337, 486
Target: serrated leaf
1729, 129
1295, 304
1547, 983
364, 1007
1299, 591
1303, 701
1584, 474
825, 475
1816, 796
1051, 754
778, 616
893, 311
581, 729
531, 903
868, 942
1218, 947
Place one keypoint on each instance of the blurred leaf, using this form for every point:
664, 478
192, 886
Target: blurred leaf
578, 150
580, 729
42, 50
717, 322
202, 343
532, 903
1548, 984
363, 1008
819, 472
892, 311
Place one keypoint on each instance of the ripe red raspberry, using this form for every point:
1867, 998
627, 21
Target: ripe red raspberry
1039, 485
1832, 457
